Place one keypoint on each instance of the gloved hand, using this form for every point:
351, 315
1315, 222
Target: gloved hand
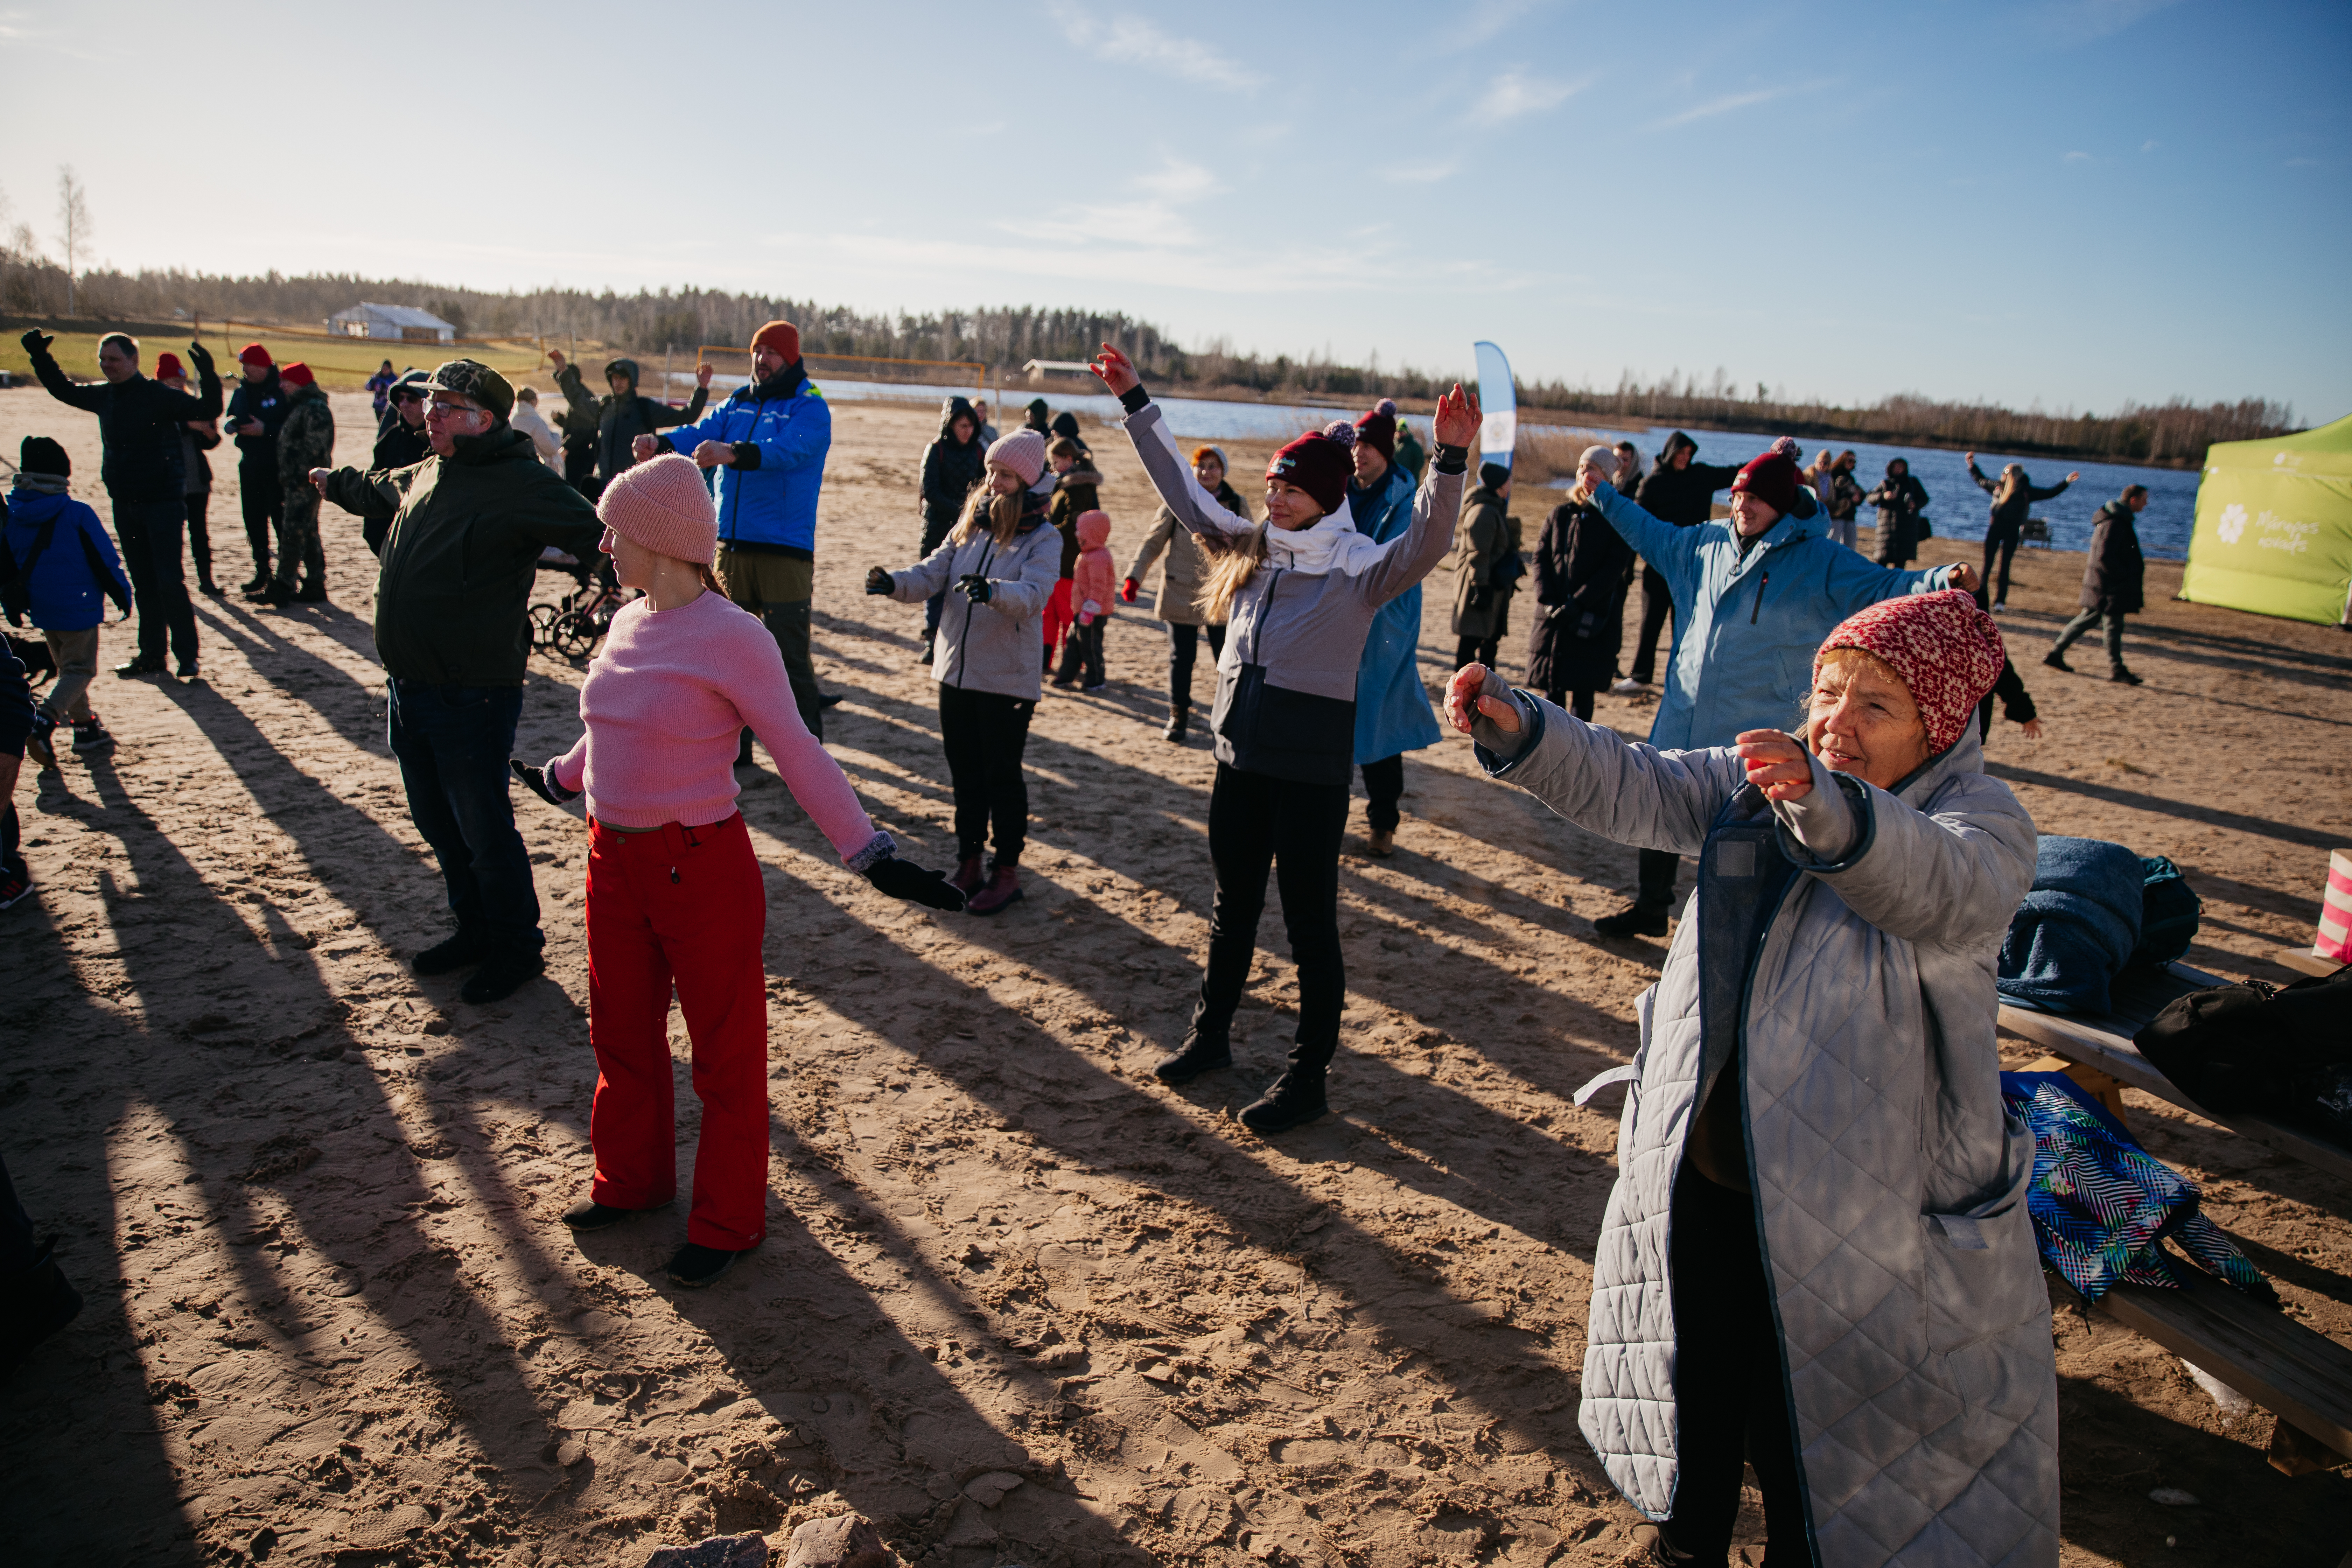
917, 885
1127, 590
199, 356
35, 341
878, 581
541, 782
975, 587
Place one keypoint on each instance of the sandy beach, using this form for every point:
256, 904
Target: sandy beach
1020, 1302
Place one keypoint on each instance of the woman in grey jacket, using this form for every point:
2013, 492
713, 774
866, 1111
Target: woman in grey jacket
995, 570
1818, 1250
1298, 592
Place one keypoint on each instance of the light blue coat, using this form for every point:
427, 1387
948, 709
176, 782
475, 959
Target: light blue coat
1745, 629
1392, 713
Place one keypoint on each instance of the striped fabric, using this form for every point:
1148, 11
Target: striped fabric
2336, 910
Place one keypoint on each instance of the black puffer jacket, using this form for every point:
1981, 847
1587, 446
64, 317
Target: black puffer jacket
264, 400
1581, 572
1685, 496
621, 420
139, 422
950, 471
2113, 573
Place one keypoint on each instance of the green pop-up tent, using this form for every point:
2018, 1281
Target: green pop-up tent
2275, 527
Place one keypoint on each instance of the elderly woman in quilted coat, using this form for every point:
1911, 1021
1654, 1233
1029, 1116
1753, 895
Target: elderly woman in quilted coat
1817, 1253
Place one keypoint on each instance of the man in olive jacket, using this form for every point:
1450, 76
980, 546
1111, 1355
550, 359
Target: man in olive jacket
452, 596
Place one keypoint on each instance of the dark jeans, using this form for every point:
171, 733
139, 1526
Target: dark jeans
1183, 649
200, 537
2110, 622
2000, 542
453, 742
1471, 650
1657, 612
262, 497
1658, 867
984, 735
1384, 782
150, 535
1088, 640
1257, 825
1730, 1397
1579, 704
16, 1250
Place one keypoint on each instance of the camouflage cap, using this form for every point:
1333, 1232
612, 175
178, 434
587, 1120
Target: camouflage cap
472, 378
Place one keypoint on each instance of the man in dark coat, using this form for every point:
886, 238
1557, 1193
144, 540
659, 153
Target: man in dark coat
626, 414
255, 409
951, 465
1680, 491
2111, 583
139, 426
1900, 499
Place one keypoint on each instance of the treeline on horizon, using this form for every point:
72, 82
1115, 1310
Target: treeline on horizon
1003, 339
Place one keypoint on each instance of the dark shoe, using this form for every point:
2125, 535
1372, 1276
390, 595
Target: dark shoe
1202, 1053
1179, 721
503, 973
185, 669
1635, 920
1066, 683
36, 1304
90, 739
1295, 1099
2054, 659
259, 581
590, 1214
1003, 888
830, 699
277, 597
36, 743
209, 588
694, 1265
1382, 843
137, 668
744, 750
1655, 1551
970, 873
14, 885
925, 656
2122, 677
311, 593
451, 952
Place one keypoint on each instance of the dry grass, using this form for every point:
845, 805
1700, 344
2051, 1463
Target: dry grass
340, 365
1548, 453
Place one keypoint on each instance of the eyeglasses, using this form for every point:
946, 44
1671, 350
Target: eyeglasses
411, 396
448, 410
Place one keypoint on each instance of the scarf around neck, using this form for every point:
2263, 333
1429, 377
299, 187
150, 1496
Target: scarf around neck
1330, 544
39, 484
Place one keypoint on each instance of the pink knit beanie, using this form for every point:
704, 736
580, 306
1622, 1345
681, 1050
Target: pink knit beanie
1024, 452
662, 505
1947, 651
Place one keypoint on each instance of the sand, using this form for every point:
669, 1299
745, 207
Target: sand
1019, 1303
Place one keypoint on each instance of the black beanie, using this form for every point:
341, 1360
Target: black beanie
39, 455
1494, 475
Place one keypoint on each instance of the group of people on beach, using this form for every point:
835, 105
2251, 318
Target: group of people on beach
1816, 1258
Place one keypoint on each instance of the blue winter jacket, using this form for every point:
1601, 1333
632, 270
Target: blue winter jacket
1392, 711
767, 497
1745, 628
79, 570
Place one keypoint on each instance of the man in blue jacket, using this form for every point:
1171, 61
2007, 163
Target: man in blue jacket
768, 442
57, 566
1392, 713
1760, 590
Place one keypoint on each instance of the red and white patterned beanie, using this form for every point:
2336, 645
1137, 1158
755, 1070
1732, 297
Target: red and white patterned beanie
1947, 651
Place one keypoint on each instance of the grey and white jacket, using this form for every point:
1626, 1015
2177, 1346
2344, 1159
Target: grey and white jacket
1854, 1001
1000, 645
1286, 680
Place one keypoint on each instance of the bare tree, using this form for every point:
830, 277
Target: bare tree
73, 225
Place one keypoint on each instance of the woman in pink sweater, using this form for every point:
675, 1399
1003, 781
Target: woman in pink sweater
674, 896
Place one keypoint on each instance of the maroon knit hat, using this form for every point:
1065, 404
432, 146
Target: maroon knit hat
1772, 477
1378, 428
1947, 651
1320, 463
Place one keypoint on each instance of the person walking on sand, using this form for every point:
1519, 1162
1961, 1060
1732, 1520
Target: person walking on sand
461, 548
1583, 569
1392, 711
1095, 589
768, 443
2113, 573
306, 441
952, 465
57, 566
1176, 591
1680, 491
2014, 495
255, 409
997, 568
1487, 553
674, 898
624, 414
140, 423
1900, 499
379, 387
1300, 591
1754, 587
1817, 1256
197, 437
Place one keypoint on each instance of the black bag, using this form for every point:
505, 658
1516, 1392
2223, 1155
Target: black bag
2281, 1051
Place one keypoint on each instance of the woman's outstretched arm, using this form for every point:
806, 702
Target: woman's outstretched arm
1195, 509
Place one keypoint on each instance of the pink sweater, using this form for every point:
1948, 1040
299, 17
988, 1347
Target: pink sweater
664, 705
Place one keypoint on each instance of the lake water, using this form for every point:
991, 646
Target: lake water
1958, 509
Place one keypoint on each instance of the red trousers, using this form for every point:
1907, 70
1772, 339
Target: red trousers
1059, 617
684, 907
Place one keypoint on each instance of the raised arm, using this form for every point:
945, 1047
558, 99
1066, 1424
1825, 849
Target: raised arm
2044, 492
72, 393
1984, 484
1658, 541
1190, 507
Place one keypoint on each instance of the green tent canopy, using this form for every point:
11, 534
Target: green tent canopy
2273, 529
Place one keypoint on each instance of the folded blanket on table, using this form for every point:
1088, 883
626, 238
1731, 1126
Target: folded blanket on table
2076, 926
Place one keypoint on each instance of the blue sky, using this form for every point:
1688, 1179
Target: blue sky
2075, 203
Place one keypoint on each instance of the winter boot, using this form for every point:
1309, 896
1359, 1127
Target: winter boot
312, 592
1293, 1099
453, 952
33, 1306
37, 745
503, 973
694, 1265
1003, 888
1179, 721
1634, 920
90, 739
970, 873
2122, 677
1204, 1050
257, 581
2054, 659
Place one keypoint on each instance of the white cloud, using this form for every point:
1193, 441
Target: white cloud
2075, 158
1422, 172
1515, 94
2083, 21
1730, 103
1131, 40
2149, 146
1481, 21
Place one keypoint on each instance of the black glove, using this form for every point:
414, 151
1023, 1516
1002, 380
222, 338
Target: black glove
541, 784
36, 341
905, 880
200, 356
975, 587
878, 581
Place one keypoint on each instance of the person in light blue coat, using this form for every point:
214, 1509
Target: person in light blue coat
1392, 711
1762, 588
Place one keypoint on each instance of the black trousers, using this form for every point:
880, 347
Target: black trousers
1657, 611
1579, 703
986, 734
1730, 1397
200, 537
1183, 649
262, 499
1259, 825
1384, 782
1088, 640
149, 533
1658, 867
1473, 650
2001, 543
16, 1249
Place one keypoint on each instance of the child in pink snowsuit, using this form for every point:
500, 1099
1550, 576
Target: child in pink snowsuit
1095, 585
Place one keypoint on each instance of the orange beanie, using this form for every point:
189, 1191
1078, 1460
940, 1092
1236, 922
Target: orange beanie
782, 336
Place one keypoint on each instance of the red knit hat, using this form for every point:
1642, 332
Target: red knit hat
660, 504
296, 374
1378, 428
1772, 477
254, 354
1320, 463
782, 336
1947, 651
168, 367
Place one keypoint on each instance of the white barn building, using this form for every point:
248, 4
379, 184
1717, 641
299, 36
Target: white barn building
391, 323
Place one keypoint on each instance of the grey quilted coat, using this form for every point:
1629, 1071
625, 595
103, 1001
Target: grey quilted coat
1889, 1184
